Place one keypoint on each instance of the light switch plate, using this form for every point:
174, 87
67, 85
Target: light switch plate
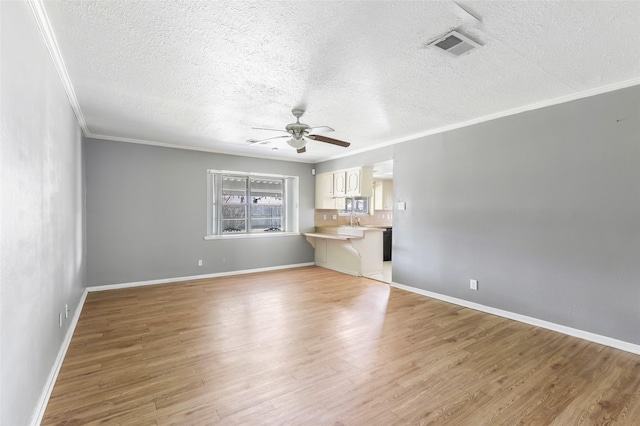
402, 206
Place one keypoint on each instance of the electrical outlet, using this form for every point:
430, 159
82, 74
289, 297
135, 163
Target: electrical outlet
473, 284
199, 262
60, 319
334, 217
66, 311
324, 217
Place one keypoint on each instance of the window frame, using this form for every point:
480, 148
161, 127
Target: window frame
289, 205
346, 212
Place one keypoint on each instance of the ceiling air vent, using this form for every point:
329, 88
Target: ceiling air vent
454, 43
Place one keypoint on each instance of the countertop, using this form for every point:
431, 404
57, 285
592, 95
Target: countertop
341, 232
332, 236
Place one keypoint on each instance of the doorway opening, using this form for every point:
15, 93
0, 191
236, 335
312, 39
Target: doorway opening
382, 213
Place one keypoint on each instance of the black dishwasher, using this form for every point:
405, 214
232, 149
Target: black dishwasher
386, 244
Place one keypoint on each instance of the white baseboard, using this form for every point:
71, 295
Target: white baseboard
195, 277
36, 419
586, 335
55, 369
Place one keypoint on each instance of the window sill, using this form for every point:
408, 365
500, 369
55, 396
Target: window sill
254, 235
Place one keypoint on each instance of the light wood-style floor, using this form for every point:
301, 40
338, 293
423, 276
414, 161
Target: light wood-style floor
310, 346
385, 276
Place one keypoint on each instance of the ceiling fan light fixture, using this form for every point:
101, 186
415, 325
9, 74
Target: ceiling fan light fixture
297, 143
299, 133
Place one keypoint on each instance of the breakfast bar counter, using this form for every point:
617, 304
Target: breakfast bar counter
353, 250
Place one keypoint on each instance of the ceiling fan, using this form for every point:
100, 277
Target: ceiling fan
299, 133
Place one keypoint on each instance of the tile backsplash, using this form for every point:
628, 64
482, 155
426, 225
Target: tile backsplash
379, 218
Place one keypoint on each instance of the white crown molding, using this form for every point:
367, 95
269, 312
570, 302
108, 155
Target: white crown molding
538, 105
581, 334
192, 148
40, 14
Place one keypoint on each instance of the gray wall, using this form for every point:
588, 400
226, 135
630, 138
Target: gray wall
147, 215
42, 261
543, 208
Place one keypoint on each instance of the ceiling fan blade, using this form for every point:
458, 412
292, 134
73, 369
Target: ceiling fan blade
273, 130
329, 140
258, 141
320, 129
301, 150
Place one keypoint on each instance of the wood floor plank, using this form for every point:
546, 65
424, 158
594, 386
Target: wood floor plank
313, 346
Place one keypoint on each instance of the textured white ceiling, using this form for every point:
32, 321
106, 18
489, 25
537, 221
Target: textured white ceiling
201, 74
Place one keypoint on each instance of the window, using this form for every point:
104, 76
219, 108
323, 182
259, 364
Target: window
355, 205
250, 204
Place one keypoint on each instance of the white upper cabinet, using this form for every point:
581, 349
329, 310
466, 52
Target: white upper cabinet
324, 191
359, 182
327, 182
353, 182
340, 184
332, 188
